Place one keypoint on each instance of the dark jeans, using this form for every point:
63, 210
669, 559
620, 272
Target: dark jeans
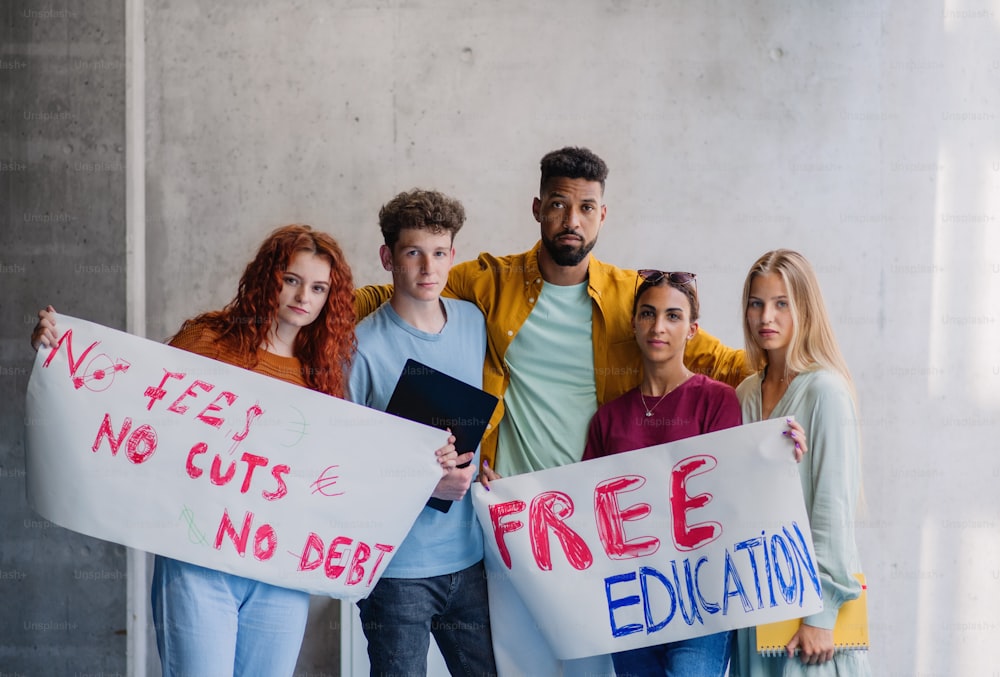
401, 614
705, 656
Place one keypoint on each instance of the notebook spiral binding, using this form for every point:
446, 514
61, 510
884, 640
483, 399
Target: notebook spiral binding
849, 634
776, 652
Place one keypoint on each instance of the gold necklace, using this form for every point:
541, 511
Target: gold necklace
649, 410
783, 381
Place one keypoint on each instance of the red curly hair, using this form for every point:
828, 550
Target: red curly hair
325, 346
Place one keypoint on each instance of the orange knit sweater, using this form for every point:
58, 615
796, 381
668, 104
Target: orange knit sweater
205, 342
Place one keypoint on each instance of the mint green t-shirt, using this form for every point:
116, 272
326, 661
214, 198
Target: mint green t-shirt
552, 393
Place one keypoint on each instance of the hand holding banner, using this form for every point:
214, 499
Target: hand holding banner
159, 449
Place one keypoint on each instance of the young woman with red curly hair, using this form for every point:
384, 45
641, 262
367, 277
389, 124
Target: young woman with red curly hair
293, 319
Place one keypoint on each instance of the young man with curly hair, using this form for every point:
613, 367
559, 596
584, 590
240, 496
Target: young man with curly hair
435, 583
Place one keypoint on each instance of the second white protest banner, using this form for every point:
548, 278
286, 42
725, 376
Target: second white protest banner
660, 544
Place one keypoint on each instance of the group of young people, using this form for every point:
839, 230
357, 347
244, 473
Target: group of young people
584, 356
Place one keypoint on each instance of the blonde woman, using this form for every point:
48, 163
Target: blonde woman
800, 372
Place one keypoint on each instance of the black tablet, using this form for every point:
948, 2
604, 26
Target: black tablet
431, 397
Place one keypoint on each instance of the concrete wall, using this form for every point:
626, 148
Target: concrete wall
862, 133
62, 208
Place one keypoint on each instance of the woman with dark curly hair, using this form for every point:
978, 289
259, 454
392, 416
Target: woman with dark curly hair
292, 319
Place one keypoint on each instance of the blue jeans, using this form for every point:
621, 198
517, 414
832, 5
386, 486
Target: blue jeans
705, 656
212, 623
401, 614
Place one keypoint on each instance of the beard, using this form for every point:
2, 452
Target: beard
568, 254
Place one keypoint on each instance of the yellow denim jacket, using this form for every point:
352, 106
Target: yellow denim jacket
505, 289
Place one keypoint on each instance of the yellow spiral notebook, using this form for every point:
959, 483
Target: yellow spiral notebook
849, 634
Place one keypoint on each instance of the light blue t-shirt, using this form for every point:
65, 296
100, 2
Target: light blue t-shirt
439, 543
552, 393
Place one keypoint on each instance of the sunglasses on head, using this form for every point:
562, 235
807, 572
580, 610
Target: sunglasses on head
655, 276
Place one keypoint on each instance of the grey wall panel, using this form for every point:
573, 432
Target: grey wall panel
62, 205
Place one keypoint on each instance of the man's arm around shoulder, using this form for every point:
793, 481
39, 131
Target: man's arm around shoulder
367, 299
707, 355
461, 285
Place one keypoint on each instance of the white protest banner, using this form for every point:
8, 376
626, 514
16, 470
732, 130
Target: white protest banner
138, 443
660, 544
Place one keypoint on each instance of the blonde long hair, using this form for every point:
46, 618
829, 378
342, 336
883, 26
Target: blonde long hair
813, 344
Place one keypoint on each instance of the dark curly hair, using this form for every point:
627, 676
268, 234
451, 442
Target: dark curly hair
573, 163
424, 209
325, 346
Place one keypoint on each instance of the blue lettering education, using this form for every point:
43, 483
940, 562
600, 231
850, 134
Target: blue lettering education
806, 560
787, 566
767, 570
734, 575
689, 581
748, 545
710, 607
644, 574
613, 604
787, 587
